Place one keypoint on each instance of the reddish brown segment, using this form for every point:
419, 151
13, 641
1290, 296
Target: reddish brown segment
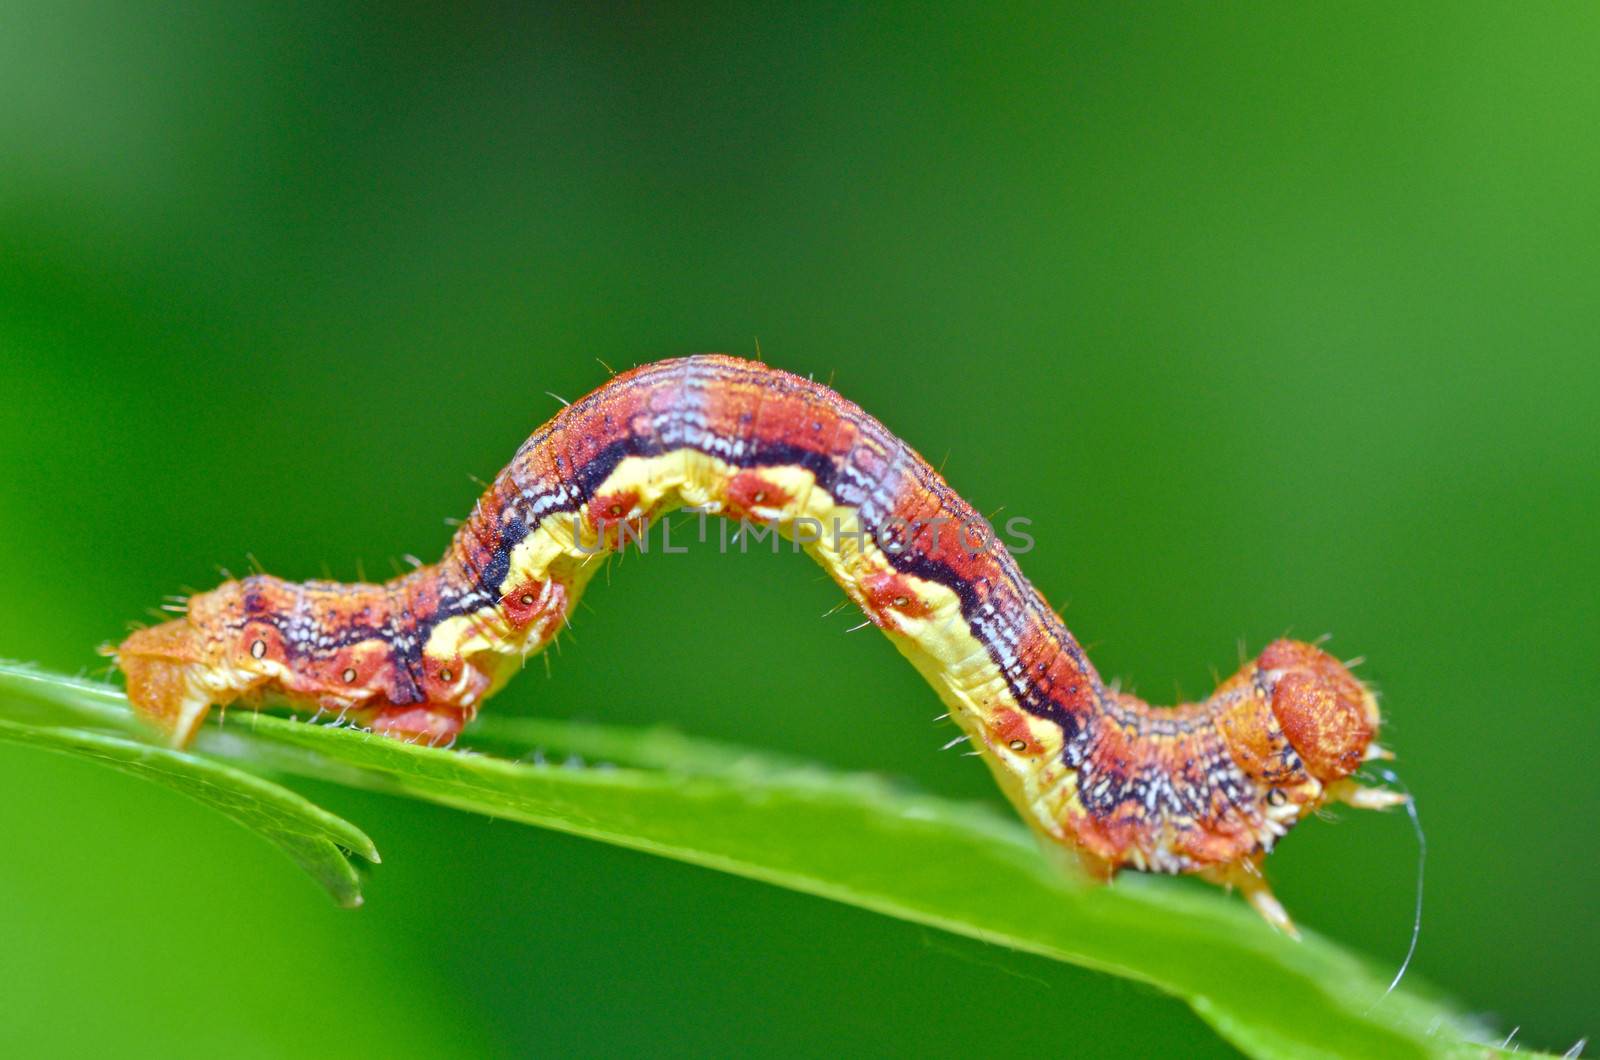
1202, 787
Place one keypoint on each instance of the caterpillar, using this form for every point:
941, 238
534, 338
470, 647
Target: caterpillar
1204, 788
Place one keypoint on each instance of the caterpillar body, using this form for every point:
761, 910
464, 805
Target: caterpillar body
1204, 788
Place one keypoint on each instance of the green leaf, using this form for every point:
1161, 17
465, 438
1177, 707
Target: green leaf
862, 841
316, 839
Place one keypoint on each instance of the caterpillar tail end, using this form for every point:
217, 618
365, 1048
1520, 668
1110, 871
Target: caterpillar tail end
158, 664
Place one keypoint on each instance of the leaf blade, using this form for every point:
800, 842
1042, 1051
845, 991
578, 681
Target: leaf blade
868, 843
311, 836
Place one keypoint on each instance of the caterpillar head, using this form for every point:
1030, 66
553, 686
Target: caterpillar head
156, 663
1327, 714
177, 670
265, 642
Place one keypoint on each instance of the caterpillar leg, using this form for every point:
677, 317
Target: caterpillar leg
429, 724
1352, 794
1246, 876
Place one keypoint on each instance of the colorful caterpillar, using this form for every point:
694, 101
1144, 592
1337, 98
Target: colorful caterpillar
1204, 788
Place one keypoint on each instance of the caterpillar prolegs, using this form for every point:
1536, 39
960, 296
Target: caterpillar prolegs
1203, 788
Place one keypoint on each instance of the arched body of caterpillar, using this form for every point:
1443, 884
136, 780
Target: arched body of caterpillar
1203, 788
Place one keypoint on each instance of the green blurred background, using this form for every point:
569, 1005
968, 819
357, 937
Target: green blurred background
1272, 319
